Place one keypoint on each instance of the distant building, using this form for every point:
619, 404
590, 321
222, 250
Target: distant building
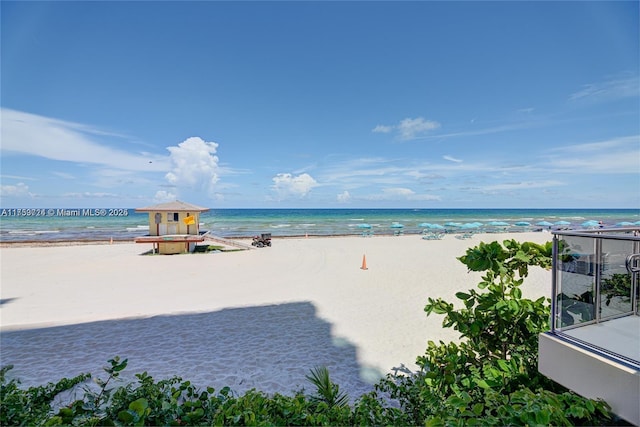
173, 227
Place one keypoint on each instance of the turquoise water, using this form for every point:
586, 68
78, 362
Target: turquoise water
53, 225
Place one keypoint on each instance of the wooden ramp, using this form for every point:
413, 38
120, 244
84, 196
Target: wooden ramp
227, 242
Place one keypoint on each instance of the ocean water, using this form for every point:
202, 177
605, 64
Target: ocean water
24, 225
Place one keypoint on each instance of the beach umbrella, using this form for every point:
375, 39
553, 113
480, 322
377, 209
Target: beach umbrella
521, 223
435, 227
590, 223
468, 225
636, 223
624, 223
544, 223
498, 224
562, 223
397, 225
425, 225
452, 224
364, 225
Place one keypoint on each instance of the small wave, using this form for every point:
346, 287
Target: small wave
280, 225
33, 232
308, 225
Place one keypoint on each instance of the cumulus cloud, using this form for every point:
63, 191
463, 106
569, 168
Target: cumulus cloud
409, 128
34, 135
194, 165
287, 185
18, 190
344, 197
163, 196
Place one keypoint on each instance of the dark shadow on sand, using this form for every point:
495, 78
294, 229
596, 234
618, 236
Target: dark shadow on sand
4, 301
270, 348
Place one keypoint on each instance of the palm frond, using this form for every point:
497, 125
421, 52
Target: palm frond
326, 391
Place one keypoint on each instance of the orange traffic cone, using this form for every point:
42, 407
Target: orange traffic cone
364, 263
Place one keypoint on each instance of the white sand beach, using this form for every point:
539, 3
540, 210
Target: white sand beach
249, 319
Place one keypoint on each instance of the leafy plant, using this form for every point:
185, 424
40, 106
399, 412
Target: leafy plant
618, 285
490, 376
33, 405
326, 390
580, 305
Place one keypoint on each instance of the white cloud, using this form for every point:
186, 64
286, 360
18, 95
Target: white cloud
164, 196
382, 129
89, 195
613, 156
452, 159
525, 185
287, 185
22, 178
344, 197
408, 128
411, 128
18, 190
194, 165
34, 135
63, 175
401, 193
615, 88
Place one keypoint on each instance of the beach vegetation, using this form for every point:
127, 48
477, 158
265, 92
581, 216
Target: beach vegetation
327, 391
30, 406
488, 377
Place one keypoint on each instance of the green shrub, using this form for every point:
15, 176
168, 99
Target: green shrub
490, 377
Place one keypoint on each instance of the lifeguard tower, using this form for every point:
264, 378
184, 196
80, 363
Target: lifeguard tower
173, 227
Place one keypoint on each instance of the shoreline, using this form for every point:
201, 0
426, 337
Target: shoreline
258, 318
102, 241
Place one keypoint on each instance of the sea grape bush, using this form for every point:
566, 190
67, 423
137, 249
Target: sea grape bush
489, 377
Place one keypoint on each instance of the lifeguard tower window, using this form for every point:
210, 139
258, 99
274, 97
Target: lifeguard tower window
172, 217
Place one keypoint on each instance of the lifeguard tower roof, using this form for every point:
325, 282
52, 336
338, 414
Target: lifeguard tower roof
175, 206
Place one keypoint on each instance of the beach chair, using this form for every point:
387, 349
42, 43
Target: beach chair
433, 236
399, 232
464, 236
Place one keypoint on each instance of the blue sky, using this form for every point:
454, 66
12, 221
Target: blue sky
321, 104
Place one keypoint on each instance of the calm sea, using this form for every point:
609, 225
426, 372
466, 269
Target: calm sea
20, 225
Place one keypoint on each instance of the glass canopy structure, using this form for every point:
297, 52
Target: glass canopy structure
593, 347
